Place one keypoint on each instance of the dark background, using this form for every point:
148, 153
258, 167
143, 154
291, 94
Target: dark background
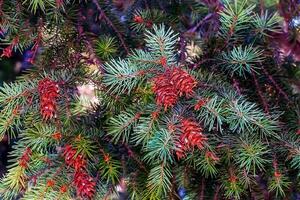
9, 70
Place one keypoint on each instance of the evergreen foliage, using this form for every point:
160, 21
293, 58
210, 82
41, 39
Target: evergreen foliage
151, 99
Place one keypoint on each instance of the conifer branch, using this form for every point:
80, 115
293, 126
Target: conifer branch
276, 85
110, 23
151, 120
265, 105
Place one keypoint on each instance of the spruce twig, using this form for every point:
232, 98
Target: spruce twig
110, 23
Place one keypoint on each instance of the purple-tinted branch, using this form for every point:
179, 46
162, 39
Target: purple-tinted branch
161, 6
263, 187
103, 15
133, 155
236, 85
262, 6
216, 196
202, 189
260, 94
195, 65
89, 45
91, 51
194, 29
182, 44
146, 4
275, 84
109, 191
1, 3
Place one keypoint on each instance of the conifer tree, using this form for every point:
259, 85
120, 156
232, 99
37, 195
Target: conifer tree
148, 99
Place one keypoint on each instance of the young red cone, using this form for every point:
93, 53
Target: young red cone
76, 161
48, 91
85, 185
192, 134
166, 95
190, 137
183, 81
25, 158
